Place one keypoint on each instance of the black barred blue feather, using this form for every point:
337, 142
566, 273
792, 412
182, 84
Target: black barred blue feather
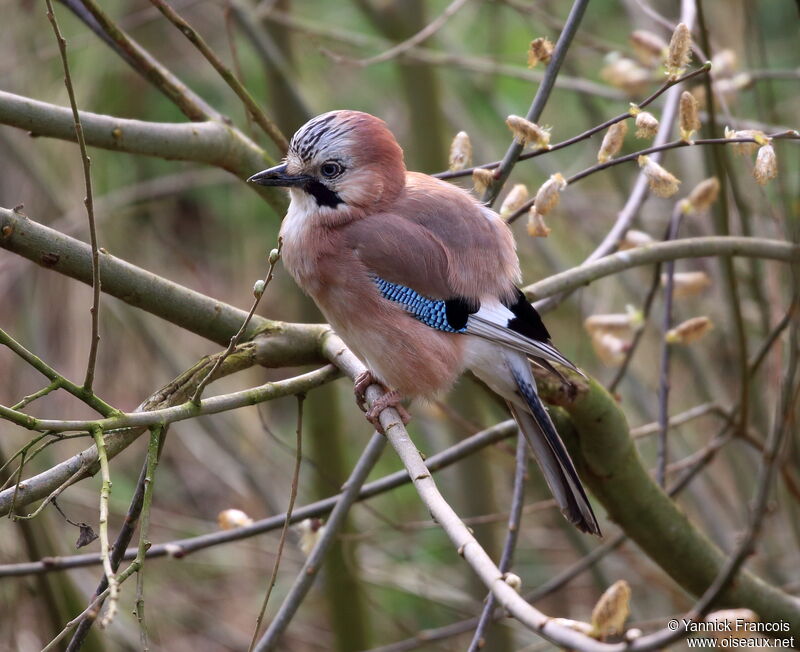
449, 316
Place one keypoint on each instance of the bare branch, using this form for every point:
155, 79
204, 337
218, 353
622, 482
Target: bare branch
577, 277
421, 36
211, 142
182, 547
541, 97
261, 118
88, 201
308, 573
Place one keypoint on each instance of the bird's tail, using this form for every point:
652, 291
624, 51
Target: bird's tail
550, 452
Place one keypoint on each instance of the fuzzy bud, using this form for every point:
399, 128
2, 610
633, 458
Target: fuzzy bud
625, 74
536, 226
646, 125
610, 349
230, 519
514, 581
759, 138
649, 48
679, 51
460, 152
662, 183
528, 133
611, 611
621, 323
258, 288
516, 197
274, 255
540, 50
689, 331
724, 64
687, 284
548, 196
612, 141
482, 180
688, 117
634, 238
702, 196
311, 529
766, 166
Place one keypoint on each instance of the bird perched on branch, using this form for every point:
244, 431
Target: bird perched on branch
419, 279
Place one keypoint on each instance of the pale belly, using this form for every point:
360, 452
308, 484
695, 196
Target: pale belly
401, 352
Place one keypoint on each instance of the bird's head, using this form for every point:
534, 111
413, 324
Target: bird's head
340, 163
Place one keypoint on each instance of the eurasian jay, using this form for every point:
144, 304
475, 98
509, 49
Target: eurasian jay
419, 280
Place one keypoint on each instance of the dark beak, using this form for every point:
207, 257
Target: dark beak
276, 176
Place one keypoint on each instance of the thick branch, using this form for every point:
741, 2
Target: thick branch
197, 313
660, 252
211, 142
596, 433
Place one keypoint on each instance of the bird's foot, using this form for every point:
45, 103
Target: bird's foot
363, 381
389, 399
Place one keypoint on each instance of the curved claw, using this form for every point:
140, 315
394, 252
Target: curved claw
363, 380
389, 399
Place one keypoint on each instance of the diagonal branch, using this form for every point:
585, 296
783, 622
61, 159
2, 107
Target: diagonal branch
190, 104
540, 99
211, 142
261, 118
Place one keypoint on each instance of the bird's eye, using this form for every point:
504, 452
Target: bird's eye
331, 169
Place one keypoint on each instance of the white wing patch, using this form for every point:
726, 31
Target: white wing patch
491, 323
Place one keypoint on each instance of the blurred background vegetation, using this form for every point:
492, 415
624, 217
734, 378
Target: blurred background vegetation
393, 572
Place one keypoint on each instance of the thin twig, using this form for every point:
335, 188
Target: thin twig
425, 33
308, 573
182, 547
153, 449
679, 419
639, 192
292, 496
431, 57
30, 398
124, 537
540, 99
145, 64
105, 548
51, 374
261, 118
453, 174
666, 347
722, 220
637, 336
506, 557
781, 424
88, 201
187, 410
627, 158
274, 256
91, 610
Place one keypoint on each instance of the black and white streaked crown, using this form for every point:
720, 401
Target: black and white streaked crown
317, 133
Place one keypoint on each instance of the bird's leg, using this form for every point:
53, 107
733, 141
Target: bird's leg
389, 399
363, 380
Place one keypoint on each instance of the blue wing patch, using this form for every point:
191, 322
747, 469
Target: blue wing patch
430, 312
